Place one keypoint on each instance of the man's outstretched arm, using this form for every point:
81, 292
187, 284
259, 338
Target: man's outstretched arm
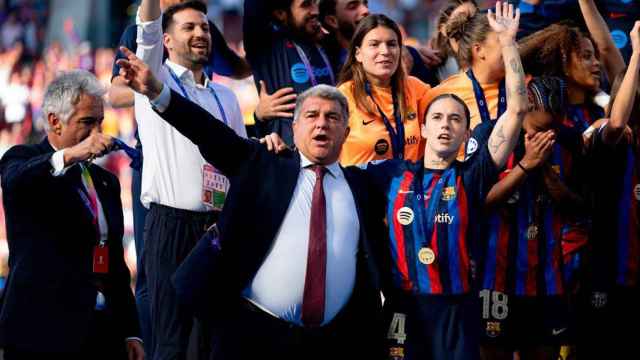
218, 143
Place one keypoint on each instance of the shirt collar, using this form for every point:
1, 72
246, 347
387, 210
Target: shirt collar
333, 169
185, 74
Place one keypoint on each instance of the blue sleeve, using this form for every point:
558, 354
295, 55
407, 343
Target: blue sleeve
380, 172
479, 171
534, 18
222, 58
128, 40
420, 70
256, 25
479, 136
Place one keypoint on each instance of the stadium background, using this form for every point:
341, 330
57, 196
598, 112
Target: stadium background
39, 38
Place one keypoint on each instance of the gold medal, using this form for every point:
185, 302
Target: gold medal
532, 232
426, 256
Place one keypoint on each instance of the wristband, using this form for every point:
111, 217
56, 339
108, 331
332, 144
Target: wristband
523, 168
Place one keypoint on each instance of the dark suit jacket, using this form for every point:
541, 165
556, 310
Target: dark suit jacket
50, 296
262, 186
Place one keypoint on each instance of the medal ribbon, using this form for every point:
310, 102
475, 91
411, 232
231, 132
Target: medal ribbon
396, 135
94, 205
482, 101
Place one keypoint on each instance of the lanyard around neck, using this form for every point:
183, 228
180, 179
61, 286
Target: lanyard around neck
307, 64
186, 95
396, 135
92, 201
482, 101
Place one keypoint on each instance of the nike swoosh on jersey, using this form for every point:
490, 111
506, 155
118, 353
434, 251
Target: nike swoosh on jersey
365, 123
557, 331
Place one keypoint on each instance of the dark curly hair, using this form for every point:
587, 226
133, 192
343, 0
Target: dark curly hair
548, 94
548, 51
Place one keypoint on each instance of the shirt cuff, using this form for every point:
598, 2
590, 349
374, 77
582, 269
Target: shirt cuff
57, 163
149, 32
135, 339
161, 103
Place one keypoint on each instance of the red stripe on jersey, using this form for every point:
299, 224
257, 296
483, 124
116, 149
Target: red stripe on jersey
502, 256
398, 232
557, 253
463, 214
434, 269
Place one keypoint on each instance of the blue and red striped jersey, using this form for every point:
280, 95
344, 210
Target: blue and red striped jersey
628, 239
433, 218
531, 241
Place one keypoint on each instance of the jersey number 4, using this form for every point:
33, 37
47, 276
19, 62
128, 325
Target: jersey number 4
397, 328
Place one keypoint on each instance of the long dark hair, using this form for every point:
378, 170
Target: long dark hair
353, 70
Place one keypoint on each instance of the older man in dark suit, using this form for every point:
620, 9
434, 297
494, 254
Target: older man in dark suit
302, 281
68, 294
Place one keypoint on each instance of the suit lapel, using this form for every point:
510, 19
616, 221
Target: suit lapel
358, 195
284, 190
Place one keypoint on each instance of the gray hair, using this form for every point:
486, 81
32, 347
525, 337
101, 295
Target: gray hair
64, 93
325, 92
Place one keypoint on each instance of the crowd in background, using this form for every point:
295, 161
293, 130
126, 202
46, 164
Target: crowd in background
28, 64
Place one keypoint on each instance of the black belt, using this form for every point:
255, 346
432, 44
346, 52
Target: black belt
209, 217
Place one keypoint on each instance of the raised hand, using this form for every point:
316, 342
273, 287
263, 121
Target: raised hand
635, 37
138, 76
274, 143
430, 56
504, 22
93, 146
279, 104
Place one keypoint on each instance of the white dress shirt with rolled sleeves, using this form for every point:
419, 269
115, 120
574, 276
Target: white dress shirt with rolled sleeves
172, 172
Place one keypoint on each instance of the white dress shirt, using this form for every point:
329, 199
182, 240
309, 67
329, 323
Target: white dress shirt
278, 286
172, 172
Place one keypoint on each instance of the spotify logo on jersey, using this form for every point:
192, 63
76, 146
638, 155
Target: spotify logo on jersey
405, 216
299, 73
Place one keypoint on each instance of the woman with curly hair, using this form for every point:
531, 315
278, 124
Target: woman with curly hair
565, 51
611, 290
534, 211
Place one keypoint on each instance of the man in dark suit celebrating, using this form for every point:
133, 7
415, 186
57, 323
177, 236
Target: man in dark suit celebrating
68, 294
301, 282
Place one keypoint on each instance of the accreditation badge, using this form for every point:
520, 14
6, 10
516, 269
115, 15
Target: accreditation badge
214, 187
101, 259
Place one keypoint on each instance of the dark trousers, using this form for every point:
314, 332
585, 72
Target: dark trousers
443, 327
142, 292
170, 234
605, 324
251, 333
101, 344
